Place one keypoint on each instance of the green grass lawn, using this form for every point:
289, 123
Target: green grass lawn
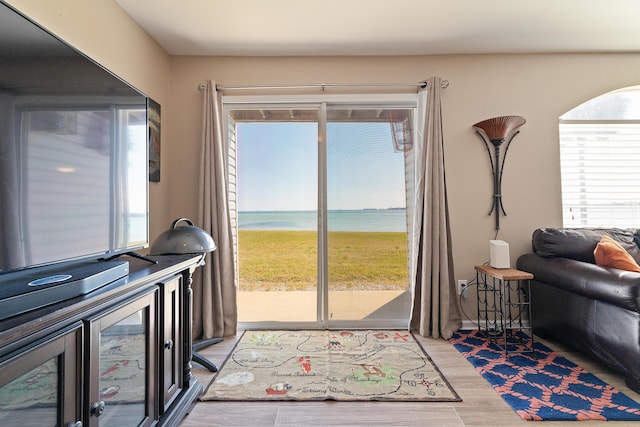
287, 260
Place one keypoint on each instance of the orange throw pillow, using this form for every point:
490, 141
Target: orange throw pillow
609, 253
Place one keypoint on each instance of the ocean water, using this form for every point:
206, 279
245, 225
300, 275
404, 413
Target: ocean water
342, 220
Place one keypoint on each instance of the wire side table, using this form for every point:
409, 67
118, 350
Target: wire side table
503, 299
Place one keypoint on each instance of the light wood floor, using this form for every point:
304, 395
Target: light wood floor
481, 406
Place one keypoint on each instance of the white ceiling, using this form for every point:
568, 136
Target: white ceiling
386, 27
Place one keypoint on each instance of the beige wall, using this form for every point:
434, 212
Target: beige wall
538, 87
101, 30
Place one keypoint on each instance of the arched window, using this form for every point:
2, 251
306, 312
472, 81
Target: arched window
600, 161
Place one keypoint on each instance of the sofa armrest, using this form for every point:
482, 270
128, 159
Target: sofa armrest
617, 287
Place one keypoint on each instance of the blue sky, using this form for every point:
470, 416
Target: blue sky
278, 167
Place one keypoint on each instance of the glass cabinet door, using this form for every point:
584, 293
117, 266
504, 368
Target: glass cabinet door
171, 356
122, 351
40, 384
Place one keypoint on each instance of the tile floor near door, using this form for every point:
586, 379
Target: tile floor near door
480, 405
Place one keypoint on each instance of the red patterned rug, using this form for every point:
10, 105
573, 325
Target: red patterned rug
329, 365
543, 386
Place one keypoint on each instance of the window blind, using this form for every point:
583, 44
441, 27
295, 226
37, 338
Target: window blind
600, 171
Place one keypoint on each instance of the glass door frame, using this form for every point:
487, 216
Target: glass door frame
321, 102
323, 247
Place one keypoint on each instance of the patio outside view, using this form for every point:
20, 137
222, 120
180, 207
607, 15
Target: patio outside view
279, 221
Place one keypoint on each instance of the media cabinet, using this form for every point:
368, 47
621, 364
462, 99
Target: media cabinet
118, 356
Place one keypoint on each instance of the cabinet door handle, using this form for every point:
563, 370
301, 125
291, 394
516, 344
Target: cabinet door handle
97, 408
168, 344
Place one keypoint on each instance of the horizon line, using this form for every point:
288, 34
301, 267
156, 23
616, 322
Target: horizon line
329, 210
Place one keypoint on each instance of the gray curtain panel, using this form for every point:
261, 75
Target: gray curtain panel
435, 311
214, 288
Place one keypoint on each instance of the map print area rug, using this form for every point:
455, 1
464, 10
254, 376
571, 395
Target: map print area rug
329, 365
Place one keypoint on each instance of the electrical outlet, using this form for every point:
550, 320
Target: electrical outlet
462, 287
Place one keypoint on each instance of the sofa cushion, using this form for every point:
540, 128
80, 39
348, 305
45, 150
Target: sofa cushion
609, 253
579, 243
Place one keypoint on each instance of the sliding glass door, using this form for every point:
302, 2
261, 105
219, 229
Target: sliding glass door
367, 221
319, 197
277, 211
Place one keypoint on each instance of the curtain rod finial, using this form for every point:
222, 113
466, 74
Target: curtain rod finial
443, 84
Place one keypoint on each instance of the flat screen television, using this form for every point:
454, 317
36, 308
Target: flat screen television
73, 167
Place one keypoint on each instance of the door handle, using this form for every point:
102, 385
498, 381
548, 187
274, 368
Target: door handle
97, 408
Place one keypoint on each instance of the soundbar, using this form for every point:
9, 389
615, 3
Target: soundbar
30, 289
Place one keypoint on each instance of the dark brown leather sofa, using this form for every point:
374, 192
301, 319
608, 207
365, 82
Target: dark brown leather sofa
593, 309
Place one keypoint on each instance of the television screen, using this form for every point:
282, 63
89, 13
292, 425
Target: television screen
73, 153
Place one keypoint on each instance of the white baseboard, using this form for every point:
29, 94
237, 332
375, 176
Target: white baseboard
470, 325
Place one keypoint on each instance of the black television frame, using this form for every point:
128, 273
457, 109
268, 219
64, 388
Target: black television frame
30, 56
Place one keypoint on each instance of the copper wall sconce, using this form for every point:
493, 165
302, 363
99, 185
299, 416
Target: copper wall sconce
498, 130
